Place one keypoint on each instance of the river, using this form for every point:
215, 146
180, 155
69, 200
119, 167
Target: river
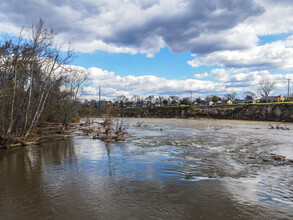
167, 169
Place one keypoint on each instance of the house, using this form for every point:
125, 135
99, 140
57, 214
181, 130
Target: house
250, 101
226, 102
229, 102
267, 99
241, 101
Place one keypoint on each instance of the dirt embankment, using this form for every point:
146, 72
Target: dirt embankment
260, 112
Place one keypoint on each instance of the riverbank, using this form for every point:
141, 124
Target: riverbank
44, 131
282, 112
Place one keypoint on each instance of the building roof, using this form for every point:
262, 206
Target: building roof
225, 101
270, 97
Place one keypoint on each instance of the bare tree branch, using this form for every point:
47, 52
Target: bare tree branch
266, 86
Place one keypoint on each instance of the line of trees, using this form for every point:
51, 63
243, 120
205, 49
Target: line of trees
265, 88
139, 101
36, 81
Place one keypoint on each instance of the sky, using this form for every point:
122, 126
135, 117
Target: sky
168, 47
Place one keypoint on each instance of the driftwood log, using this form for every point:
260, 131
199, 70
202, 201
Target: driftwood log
9, 142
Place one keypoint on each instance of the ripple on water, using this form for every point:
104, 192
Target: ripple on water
188, 170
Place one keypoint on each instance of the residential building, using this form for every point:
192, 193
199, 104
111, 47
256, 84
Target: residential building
267, 99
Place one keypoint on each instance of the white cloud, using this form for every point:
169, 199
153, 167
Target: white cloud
241, 43
201, 75
114, 85
218, 32
195, 62
276, 55
252, 77
276, 19
224, 75
137, 26
233, 80
97, 73
88, 90
89, 47
249, 81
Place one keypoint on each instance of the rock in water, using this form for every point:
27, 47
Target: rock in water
279, 157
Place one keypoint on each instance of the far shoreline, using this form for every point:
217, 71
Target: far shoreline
273, 112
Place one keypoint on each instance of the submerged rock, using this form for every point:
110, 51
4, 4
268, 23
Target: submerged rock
279, 157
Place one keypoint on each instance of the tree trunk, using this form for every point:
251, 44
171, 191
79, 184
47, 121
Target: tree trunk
29, 101
37, 114
12, 104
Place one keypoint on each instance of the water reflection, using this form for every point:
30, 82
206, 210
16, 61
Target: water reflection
172, 169
110, 165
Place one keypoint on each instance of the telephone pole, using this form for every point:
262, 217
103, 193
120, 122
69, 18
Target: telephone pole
190, 97
99, 96
289, 89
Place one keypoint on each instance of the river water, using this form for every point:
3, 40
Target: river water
167, 169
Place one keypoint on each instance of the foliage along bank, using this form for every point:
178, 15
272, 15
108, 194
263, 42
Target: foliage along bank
259, 112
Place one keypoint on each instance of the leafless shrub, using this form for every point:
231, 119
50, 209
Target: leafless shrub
263, 113
278, 111
269, 110
112, 130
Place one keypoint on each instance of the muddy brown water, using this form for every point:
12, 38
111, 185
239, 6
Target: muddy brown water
168, 169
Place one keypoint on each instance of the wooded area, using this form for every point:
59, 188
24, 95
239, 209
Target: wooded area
37, 83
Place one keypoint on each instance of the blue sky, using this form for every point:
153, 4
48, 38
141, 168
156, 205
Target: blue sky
168, 47
163, 64
273, 38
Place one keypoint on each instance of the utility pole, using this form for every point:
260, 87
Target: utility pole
191, 97
99, 96
289, 89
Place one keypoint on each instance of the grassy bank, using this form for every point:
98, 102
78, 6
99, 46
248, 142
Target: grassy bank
262, 112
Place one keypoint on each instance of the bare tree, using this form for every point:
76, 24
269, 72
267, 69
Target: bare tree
72, 83
121, 100
149, 100
134, 99
266, 86
140, 100
51, 67
160, 100
208, 98
249, 95
174, 99
231, 96
32, 65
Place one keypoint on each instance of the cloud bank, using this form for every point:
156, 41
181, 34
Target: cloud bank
227, 81
231, 36
138, 26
